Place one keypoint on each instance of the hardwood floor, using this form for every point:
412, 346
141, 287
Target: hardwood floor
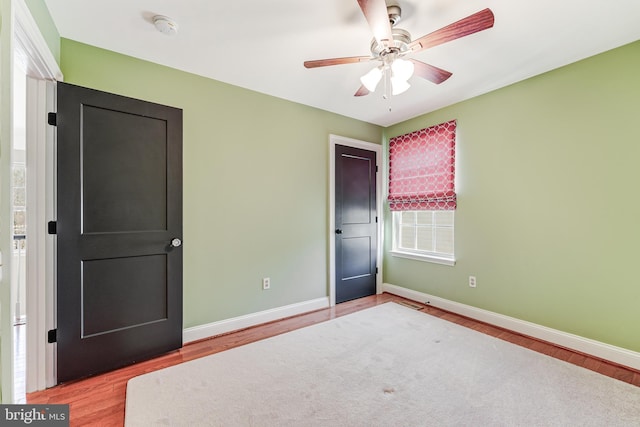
100, 400
19, 362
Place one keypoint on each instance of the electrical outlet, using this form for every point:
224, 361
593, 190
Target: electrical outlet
266, 283
472, 281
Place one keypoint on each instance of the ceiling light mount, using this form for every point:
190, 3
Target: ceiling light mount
165, 25
395, 14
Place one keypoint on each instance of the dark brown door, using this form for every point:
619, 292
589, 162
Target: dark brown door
356, 223
119, 198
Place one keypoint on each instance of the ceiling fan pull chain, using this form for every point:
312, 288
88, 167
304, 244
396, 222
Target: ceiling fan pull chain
387, 82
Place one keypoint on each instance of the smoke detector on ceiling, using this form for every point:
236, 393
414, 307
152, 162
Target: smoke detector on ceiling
165, 25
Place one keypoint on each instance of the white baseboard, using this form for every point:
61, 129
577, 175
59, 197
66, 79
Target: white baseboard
598, 349
235, 323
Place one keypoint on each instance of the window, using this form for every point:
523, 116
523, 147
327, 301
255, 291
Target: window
424, 234
421, 193
19, 205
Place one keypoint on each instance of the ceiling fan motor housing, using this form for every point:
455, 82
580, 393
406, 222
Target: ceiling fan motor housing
401, 40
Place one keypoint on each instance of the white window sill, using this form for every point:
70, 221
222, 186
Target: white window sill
425, 258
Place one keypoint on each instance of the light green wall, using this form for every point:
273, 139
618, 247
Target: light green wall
255, 183
41, 15
548, 216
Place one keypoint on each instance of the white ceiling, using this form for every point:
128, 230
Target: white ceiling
261, 45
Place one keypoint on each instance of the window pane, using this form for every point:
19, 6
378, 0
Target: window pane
19, 198
444, 240
407, 217
424, 232
444, 217
425, 239
18, 176
424, 217
407, 237
19, 222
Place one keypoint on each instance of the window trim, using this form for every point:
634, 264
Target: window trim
425, 257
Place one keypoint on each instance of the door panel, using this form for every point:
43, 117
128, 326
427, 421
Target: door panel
118, 194
119, 284
356, 257
355, 190
112, 288
356, 223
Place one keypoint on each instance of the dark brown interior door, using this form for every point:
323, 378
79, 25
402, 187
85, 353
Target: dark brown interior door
119, 231
356, 223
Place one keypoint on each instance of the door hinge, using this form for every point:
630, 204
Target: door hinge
376, 168
376, 270
52, 119
376, 220
52, 336
52, 227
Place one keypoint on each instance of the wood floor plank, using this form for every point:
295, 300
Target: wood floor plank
577, 359
100, 400
636, 379
591, 364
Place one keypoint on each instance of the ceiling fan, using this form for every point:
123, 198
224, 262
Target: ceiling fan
390, 44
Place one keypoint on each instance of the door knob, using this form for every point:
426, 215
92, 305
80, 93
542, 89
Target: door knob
338, 231
176, 242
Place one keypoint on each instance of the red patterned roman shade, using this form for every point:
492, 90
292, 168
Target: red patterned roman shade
422, 169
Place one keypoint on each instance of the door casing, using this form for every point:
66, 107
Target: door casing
378, 149
43, 71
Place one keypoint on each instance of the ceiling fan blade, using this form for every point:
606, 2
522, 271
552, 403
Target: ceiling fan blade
471, 24
362, 91
336, 61
375, 11
429, 72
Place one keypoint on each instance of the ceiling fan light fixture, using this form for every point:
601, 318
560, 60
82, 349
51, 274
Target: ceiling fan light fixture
399, 86
402, 69
371, 79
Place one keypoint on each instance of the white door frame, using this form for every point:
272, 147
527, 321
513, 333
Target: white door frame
43, 71
370, 146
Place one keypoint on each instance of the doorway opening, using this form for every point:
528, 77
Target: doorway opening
18, 183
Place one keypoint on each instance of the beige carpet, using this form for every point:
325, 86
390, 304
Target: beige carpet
385, 366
